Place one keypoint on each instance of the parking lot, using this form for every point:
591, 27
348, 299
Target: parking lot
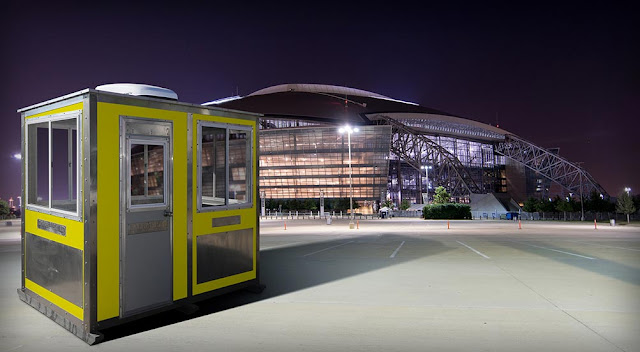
392, 285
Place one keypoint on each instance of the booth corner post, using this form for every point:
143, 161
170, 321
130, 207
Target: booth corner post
135, 205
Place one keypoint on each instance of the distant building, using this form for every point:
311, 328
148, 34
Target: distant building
302, 154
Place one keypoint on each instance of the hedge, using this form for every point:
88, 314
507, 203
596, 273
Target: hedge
447, 211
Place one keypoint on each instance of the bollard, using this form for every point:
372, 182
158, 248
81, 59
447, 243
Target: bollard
595, 224
358, 225
285, 225
519, 224
447, 224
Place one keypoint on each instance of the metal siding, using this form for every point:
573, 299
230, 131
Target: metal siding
55, 267
224, 254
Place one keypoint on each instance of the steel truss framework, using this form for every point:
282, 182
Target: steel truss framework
568, 175
417, 150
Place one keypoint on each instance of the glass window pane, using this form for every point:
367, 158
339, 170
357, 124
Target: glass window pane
64, 165
38, 164
155, 172
238, 166
147, 174
137, 170
213, 176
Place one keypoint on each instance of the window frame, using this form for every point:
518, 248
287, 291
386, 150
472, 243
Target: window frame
49, 209
250, 167
148, 140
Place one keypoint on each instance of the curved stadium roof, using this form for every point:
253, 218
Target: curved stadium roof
338, 105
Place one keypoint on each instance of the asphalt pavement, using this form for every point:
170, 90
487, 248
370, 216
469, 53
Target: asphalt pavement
391, 285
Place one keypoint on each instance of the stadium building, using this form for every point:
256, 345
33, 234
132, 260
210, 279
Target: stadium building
402, 151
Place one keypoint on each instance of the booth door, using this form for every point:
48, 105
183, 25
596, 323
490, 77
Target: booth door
147, 241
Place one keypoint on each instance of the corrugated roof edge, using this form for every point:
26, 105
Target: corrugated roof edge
89, 90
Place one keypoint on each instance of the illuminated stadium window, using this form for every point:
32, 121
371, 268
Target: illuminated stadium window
52, 157
224, 166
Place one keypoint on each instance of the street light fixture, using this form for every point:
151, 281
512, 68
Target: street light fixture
426, 169
628, 190
348, 130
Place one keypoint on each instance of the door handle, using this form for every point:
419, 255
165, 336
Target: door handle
168, 213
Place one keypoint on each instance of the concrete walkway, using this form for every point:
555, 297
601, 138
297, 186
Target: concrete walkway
393, 285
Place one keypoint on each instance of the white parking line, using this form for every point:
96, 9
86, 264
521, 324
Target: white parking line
393, 255
556, 250
474, 250
602, 245
280, 246
326, 249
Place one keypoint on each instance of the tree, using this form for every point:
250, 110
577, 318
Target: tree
564, 205
596, 203
441, 196
625, 205
387, 203
4, 208
531, 205
405, 205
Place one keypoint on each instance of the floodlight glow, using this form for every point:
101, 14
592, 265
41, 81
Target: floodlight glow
17, 156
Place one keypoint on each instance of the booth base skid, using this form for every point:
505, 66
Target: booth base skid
76, 327
62, 318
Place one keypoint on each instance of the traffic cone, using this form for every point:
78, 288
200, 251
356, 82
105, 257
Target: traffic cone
285, 225
447, 224
357, 224
595, 224
519, 225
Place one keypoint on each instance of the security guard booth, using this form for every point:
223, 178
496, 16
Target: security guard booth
135, 204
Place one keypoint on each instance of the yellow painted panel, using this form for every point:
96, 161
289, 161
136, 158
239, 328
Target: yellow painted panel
73, 107
224, 282
55, 299
74, 229
109, 202
180, 207
108, 191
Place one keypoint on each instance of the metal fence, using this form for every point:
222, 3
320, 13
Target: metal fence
290, 215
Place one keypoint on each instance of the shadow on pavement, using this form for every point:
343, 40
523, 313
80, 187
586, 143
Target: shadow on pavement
597, 265
286, 270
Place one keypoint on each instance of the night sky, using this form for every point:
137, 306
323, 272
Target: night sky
566, 77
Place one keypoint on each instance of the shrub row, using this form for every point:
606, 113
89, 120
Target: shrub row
446, 211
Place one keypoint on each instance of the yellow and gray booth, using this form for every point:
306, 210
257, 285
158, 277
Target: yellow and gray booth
135, 203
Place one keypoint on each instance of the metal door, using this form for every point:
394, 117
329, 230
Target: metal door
146, 238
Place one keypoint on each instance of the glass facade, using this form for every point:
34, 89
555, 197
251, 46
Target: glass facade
302, 162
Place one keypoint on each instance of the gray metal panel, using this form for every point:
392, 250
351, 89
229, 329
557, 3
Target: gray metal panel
89, 210
56, 267
224, 254
148, 279
226, 221
146, 268
23, 199
52, 227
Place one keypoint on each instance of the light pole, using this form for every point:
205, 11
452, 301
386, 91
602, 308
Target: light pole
426, 169
349, 131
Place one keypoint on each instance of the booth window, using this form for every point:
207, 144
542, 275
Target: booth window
52, 162
224, 165
147, 177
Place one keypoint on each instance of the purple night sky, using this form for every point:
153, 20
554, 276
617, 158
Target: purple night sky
560, 76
